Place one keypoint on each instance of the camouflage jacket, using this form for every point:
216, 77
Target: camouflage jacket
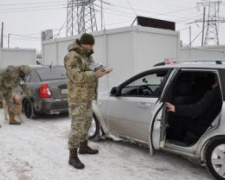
81, 80
10, 79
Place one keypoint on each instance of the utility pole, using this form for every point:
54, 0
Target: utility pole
203, 26
190, 36
101, 14
9, 39
2, 35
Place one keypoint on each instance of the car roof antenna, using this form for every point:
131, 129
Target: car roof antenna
51, 65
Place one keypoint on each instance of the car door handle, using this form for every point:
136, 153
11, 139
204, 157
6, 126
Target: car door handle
144, 105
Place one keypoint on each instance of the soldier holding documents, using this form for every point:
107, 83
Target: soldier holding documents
82, 79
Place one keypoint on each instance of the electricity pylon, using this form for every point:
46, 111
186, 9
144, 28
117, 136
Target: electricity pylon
80, 17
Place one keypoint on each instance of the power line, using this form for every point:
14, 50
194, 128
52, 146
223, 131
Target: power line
180, 10
35, 8
171, 4
196, 37
116, 12
37, 33
60, 29
16, 4
180, 30
155, 13
125, 7
119, 22
159, 14
131, 7
25, 36
187, 19
28, 6
128, 14
28, 10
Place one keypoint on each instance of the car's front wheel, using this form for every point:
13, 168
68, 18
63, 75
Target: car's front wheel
215, 158
28, 109
94, 131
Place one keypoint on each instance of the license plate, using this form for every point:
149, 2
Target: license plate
64, 91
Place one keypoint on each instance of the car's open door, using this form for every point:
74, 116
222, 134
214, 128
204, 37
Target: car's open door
158, 125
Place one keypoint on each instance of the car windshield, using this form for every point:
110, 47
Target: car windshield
52, 73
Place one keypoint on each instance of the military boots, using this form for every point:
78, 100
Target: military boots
85, 149
12, 119
74, 160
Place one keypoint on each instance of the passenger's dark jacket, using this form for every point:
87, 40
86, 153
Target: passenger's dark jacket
202, 112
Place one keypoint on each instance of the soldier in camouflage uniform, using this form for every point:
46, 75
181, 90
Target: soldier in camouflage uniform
82, 89
10, 78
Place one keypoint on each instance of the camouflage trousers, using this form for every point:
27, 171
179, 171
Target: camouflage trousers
7, 95
81, 114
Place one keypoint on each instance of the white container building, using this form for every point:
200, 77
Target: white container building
129, 50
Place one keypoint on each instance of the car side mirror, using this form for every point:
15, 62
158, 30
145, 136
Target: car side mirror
115, 91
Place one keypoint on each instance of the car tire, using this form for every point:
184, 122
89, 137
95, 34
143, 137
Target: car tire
215, 158
94, 131
28, 110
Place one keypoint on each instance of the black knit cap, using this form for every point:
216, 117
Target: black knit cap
87, 39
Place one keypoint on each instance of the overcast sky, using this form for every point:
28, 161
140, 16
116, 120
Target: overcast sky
25, 19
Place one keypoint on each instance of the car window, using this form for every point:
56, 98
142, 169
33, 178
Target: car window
53, 73
149, 80
28, 78
145, 86
34, 77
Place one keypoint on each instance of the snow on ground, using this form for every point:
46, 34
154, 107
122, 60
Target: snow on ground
37, 150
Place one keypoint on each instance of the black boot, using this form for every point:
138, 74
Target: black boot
74, 160
85, 149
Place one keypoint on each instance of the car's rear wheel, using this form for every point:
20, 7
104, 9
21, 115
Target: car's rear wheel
94, 131
215, 158
28, 110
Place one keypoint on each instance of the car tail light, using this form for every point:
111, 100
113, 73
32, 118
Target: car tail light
44, 91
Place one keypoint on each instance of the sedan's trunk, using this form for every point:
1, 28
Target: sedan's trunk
58, 88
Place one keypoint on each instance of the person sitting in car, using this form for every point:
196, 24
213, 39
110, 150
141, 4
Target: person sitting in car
196, 117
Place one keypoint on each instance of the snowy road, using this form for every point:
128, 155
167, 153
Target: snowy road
37, 150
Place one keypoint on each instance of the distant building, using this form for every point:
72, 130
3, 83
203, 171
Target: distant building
16, 56
205, 52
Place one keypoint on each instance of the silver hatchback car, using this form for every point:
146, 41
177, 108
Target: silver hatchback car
136, 111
